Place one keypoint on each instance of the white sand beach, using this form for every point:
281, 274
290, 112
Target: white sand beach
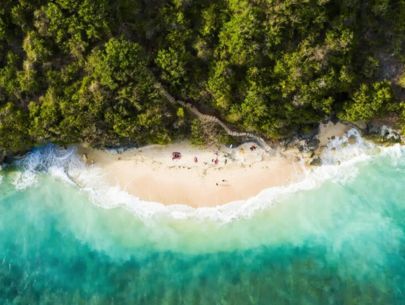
201, 177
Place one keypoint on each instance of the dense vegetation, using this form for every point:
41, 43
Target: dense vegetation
83, 70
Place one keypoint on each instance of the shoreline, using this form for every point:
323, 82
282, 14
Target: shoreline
207, 176
201, 177
151, 180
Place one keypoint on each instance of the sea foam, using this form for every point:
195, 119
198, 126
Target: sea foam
339, 163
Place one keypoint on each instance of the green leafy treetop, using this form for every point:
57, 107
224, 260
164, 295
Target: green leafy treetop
83, 70
368, 102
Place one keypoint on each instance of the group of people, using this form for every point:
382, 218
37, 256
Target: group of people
223, 181
177, 156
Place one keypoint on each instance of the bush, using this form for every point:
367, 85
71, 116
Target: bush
367, 102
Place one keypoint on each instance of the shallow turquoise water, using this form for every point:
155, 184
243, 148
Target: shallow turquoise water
342, 242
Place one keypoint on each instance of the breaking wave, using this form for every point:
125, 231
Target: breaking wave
340, 161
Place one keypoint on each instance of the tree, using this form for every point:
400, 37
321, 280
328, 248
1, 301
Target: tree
75, 25
14, 136
367, 102
120, 82
84, 70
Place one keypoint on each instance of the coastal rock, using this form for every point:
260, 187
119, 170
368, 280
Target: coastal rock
362, 125
313, 143
292, 142
383, 133
3, 156
373, 129
316, 161
307, 146
352, 139
390, 134
309, 134
330, 130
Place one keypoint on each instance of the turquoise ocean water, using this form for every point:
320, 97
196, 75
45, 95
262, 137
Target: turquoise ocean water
336, 238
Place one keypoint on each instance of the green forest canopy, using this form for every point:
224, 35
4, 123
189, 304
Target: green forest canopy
83, 70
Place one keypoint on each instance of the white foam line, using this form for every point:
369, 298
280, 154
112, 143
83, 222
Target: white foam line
339, 161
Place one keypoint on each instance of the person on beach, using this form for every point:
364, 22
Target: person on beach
176, 155
195, 159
